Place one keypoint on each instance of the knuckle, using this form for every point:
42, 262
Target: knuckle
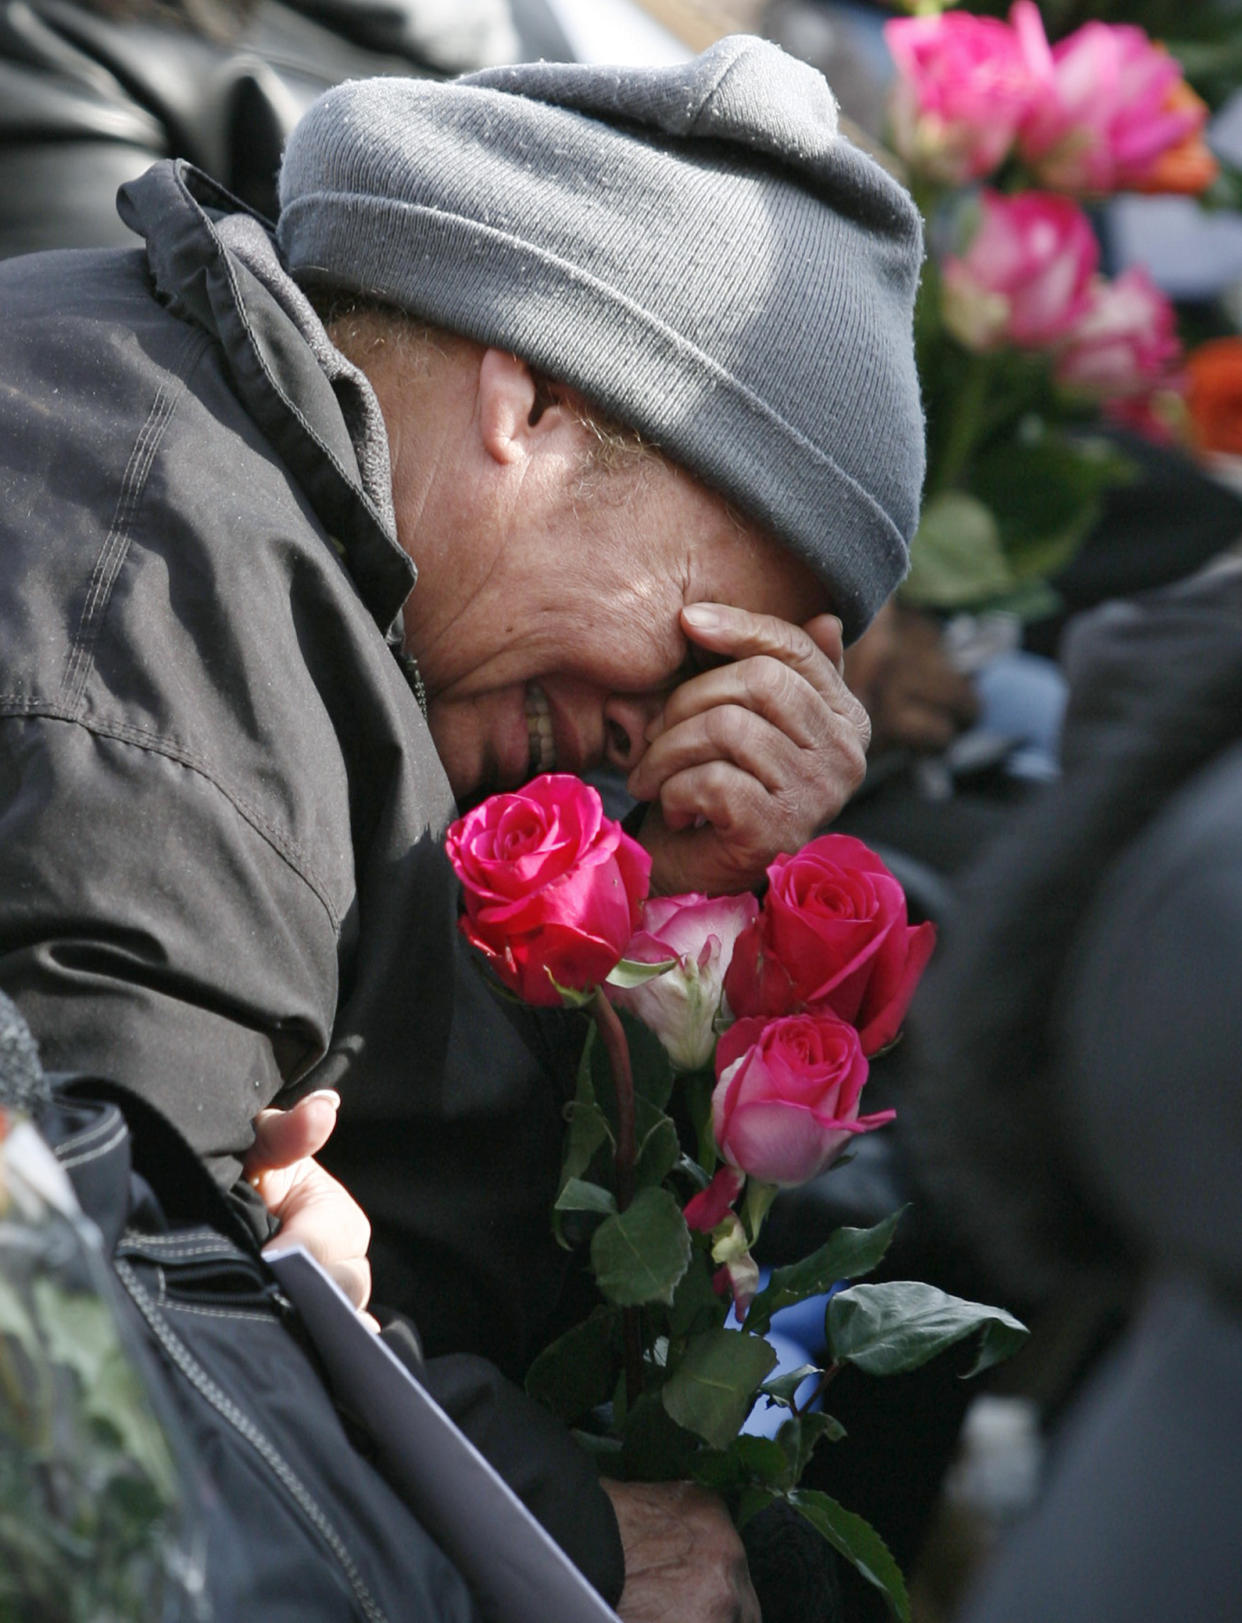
720, 726
769, 681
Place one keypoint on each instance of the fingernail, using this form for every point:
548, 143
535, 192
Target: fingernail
703, 617
330, 1094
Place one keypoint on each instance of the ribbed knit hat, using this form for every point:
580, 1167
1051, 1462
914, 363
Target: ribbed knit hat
697, 249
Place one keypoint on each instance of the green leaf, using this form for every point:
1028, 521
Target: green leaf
658, 1153
763, 1460
588, 1125
713, 1387
650, 1066
751, 1501
783, 1388
654, 1447
578, 1196
577, 1372
588, 1132
696, 1306
888, 1329
800, 1435
80, 1332
859, 1543
649, 1061
956, 556
630, 973
696, 1093
745, 1462
718, 1469
846, 1254
571, 996
1044, 491
640, 1254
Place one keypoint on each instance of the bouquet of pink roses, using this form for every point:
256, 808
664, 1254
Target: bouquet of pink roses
727, 1056
1023, 343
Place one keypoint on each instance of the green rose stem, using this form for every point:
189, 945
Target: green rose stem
821, 1386
610, 1029
963, 430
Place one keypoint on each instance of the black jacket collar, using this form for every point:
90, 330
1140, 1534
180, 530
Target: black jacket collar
276, 376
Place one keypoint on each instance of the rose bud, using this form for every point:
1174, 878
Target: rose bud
552, 887
786, 1102
833, 930
961, 91
1111, 111
681, 1005
1125, 344
1025, 277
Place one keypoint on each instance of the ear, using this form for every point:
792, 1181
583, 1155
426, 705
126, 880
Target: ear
516, 412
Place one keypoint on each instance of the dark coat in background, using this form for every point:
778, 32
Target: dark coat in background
1080, 1119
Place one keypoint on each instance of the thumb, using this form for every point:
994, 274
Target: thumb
284, 1137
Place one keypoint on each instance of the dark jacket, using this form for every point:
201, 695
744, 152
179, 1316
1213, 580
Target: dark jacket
89, 99
220, 808
221, 871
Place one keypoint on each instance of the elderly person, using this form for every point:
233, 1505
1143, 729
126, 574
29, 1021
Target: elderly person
569, 417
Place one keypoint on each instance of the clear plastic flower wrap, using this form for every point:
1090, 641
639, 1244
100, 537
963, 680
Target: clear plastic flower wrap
99, 1517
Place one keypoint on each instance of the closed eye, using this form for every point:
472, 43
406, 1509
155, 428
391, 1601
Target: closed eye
696, 661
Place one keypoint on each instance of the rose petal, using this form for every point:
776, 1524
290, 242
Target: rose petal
703, 1211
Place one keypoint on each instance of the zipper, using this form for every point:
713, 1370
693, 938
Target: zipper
180, 1355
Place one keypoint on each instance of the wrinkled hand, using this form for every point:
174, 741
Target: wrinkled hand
752, 757
901, 672
684, 1562
313, 1208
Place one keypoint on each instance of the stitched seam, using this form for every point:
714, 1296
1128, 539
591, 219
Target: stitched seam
174, 1306
182, 1359
188, 1236
142, 1248
171, 1246
116, 543
19, 705
78, 1141
98, 1150
282, 395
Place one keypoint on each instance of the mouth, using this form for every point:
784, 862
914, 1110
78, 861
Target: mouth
539, 730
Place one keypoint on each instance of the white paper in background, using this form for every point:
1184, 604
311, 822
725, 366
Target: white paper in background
518, 1573
617, 31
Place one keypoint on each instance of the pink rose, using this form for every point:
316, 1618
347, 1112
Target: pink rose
962, 89
681, 1005
833, 931
786, 1102
1110, 105
1126, 342
1025, 278
552, 887
712, 1205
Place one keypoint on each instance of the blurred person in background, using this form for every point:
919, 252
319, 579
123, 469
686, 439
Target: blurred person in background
93, 91
1077, 1116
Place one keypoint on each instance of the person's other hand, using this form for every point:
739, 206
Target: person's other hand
684, 1561
918, 700
312, 1207
752, 756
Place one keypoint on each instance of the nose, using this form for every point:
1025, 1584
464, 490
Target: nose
626, 719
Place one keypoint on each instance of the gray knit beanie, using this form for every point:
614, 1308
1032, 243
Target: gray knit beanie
697, 249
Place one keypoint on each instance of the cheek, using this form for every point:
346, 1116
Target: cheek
459, 734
